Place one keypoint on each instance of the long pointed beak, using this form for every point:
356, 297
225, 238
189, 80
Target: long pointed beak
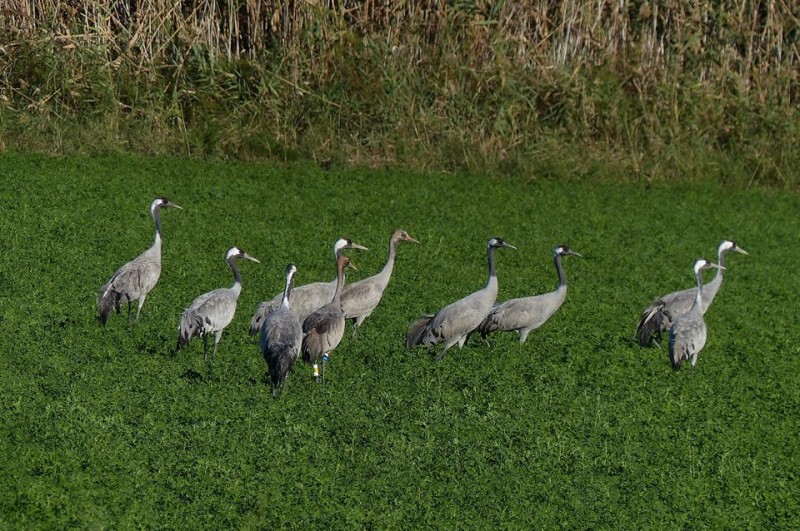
509, 246
357, 246
412, 240
573, 253
352, 266
250, 258
717, 266
739, 249
175, 206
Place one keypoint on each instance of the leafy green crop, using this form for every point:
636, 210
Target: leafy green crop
579, 427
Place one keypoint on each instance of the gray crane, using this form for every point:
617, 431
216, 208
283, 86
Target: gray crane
281, 336
453, 323
360, 298
687, 335
211, 312
659, 316
305, 299
324, 328
134, 280
529, 313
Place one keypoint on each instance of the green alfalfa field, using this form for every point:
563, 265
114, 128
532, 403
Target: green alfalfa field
579, 427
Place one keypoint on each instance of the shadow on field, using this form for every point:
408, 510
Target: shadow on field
192, 376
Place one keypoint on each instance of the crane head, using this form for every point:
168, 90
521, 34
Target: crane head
345, 243
235, 252
496, 243
703, 264
160, 202
343, 263
402, 235
729, 245
563, 250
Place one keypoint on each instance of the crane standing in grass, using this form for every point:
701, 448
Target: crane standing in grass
305, 299
687, 335
281, 336
211, 312
659, 316
359, 299
324, 328
453, 323
134, 280
529, 313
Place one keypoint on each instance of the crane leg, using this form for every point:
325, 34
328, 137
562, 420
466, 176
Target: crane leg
129, 307
217, 337
139, 309
205, 348
316, 372
324, 363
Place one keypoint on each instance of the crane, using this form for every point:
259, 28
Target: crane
211, 312
660, 315
529, 313
453, 323
305, 299
134, 280
324, 328
687, 335
281, 336
359, 299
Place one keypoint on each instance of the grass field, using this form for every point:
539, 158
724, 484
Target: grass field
111, 427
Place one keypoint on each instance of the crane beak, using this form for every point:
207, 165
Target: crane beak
351, 265
245, 255
573, 253
717, 266
509, 246
357, 246
175, 205
740, 250
412, 240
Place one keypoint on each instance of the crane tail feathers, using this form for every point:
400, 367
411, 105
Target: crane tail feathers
416, 330
280, 361
262, 312
191, 326
654, 320
107, 302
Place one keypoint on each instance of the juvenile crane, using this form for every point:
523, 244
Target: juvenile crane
281, 336
211, 312
305, 299
687, 335
324, 328
453, 323
529, 313
361, 298
659, 316
134, 280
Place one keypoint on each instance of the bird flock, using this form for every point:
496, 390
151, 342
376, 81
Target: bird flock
309, 321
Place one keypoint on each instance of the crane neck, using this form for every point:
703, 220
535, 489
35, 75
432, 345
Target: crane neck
698, 298
490, 257
562, 277
387, 269
721, 261
237, 277
157, 221
337, 295
287, 291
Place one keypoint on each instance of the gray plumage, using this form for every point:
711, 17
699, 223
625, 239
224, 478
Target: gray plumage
529, 313
324, 328
452, 324
134, 280
359, 299
281, 336
211, 312
687, 335
305, 299
659, 316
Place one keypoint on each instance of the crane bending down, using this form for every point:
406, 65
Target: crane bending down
659, 316
529, 313
281, 336
305, 299
211, 312
324, 328
359, 299
453, 323
687, 335
134, 280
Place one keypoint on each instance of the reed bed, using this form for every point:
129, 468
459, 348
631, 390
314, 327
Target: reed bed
651, 89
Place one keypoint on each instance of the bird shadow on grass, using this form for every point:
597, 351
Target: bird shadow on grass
192, 376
